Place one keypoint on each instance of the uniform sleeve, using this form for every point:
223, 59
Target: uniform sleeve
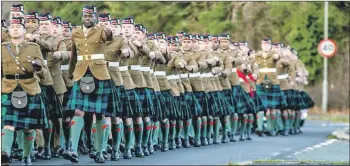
44, 72
191, 62
49, 45
133, 49
124, 44
65, 54
171, 64
160, 57
73, 60
292, 72
202, 60
105, 37
144, 50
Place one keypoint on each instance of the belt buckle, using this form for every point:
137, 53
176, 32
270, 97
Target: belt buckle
87, 57
16, 76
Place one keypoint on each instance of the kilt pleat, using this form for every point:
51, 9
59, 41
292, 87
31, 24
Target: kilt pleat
309, 103
194, 105
299, 102
258, 104
272, 98
289, 96
227, 102
243, 103
53, 105
66, 97
103, 100
169, 106
145, 97
158, 100
185, 107
134, 107
203, 98
33, 116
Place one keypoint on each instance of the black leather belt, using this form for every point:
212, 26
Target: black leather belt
20, 76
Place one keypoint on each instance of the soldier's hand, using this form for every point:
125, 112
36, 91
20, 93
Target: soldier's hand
306, 82
36, 65
276, 56
57, 54
70, 76
243, 66
164, 50
30, 37
152, 55
292, 83
36, 35
181, 64
107, 30
137, 43
125, 53
223, 74
189, 68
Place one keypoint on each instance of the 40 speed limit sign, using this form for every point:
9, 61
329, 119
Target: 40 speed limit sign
327, 48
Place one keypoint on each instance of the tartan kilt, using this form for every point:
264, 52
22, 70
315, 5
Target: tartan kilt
272, 98
103, 100
133, 106
309, 103
31, 117
290, 99
145, 98
54, 108
169, 106
193, 103
243, 102
215, 102
184, 108
203, 99
156, 99
258, 104
298, 100
227, 102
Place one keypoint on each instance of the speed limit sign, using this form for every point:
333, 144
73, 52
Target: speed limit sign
327, 48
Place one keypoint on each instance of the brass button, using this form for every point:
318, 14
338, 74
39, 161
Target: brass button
85, 44
86, 50
17, 68
85, 39
17, 57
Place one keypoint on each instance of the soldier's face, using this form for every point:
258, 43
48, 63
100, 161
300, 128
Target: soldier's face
89, 20
215, 44
224, 44
33, 23
187, 44
201, 45
139, 35
170, 47
128, 29
57, 30
162, 43
266, 46
16, 14
16, 30
46, 27
66, 32
207, 45
117, 30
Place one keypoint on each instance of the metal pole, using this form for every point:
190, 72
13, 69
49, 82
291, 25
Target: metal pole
325, 63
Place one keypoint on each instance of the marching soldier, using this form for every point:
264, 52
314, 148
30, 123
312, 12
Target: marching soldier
115, 50
21, 61
139, 86
88, 68
268, 87
17, 10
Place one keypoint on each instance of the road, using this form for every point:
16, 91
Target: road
312, 144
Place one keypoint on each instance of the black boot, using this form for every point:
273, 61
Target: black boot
224, 138
165, 146
115, 155
104, 154
127, 154
26, 161
32, 157
18, 154
47, 153
99, 158
172, 145
210, 140
204, 141
40, 152
284, 132
71, 156
83, 148
291, 132
92, 152
197, 143
57, 151
150, 148
138, 152
186, 143
232, 138
145, 151
178, 142
5, 159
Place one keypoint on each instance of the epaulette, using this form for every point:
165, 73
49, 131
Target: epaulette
32, 43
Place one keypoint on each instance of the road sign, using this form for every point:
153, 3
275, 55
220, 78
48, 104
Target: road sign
327, 48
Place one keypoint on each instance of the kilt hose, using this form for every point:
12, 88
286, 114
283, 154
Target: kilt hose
53, 105
33, 116
194, 106
145, 97
103, 100
309, 103
243, 102
272, 98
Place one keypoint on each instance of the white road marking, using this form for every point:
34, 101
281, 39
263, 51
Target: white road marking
317, 146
